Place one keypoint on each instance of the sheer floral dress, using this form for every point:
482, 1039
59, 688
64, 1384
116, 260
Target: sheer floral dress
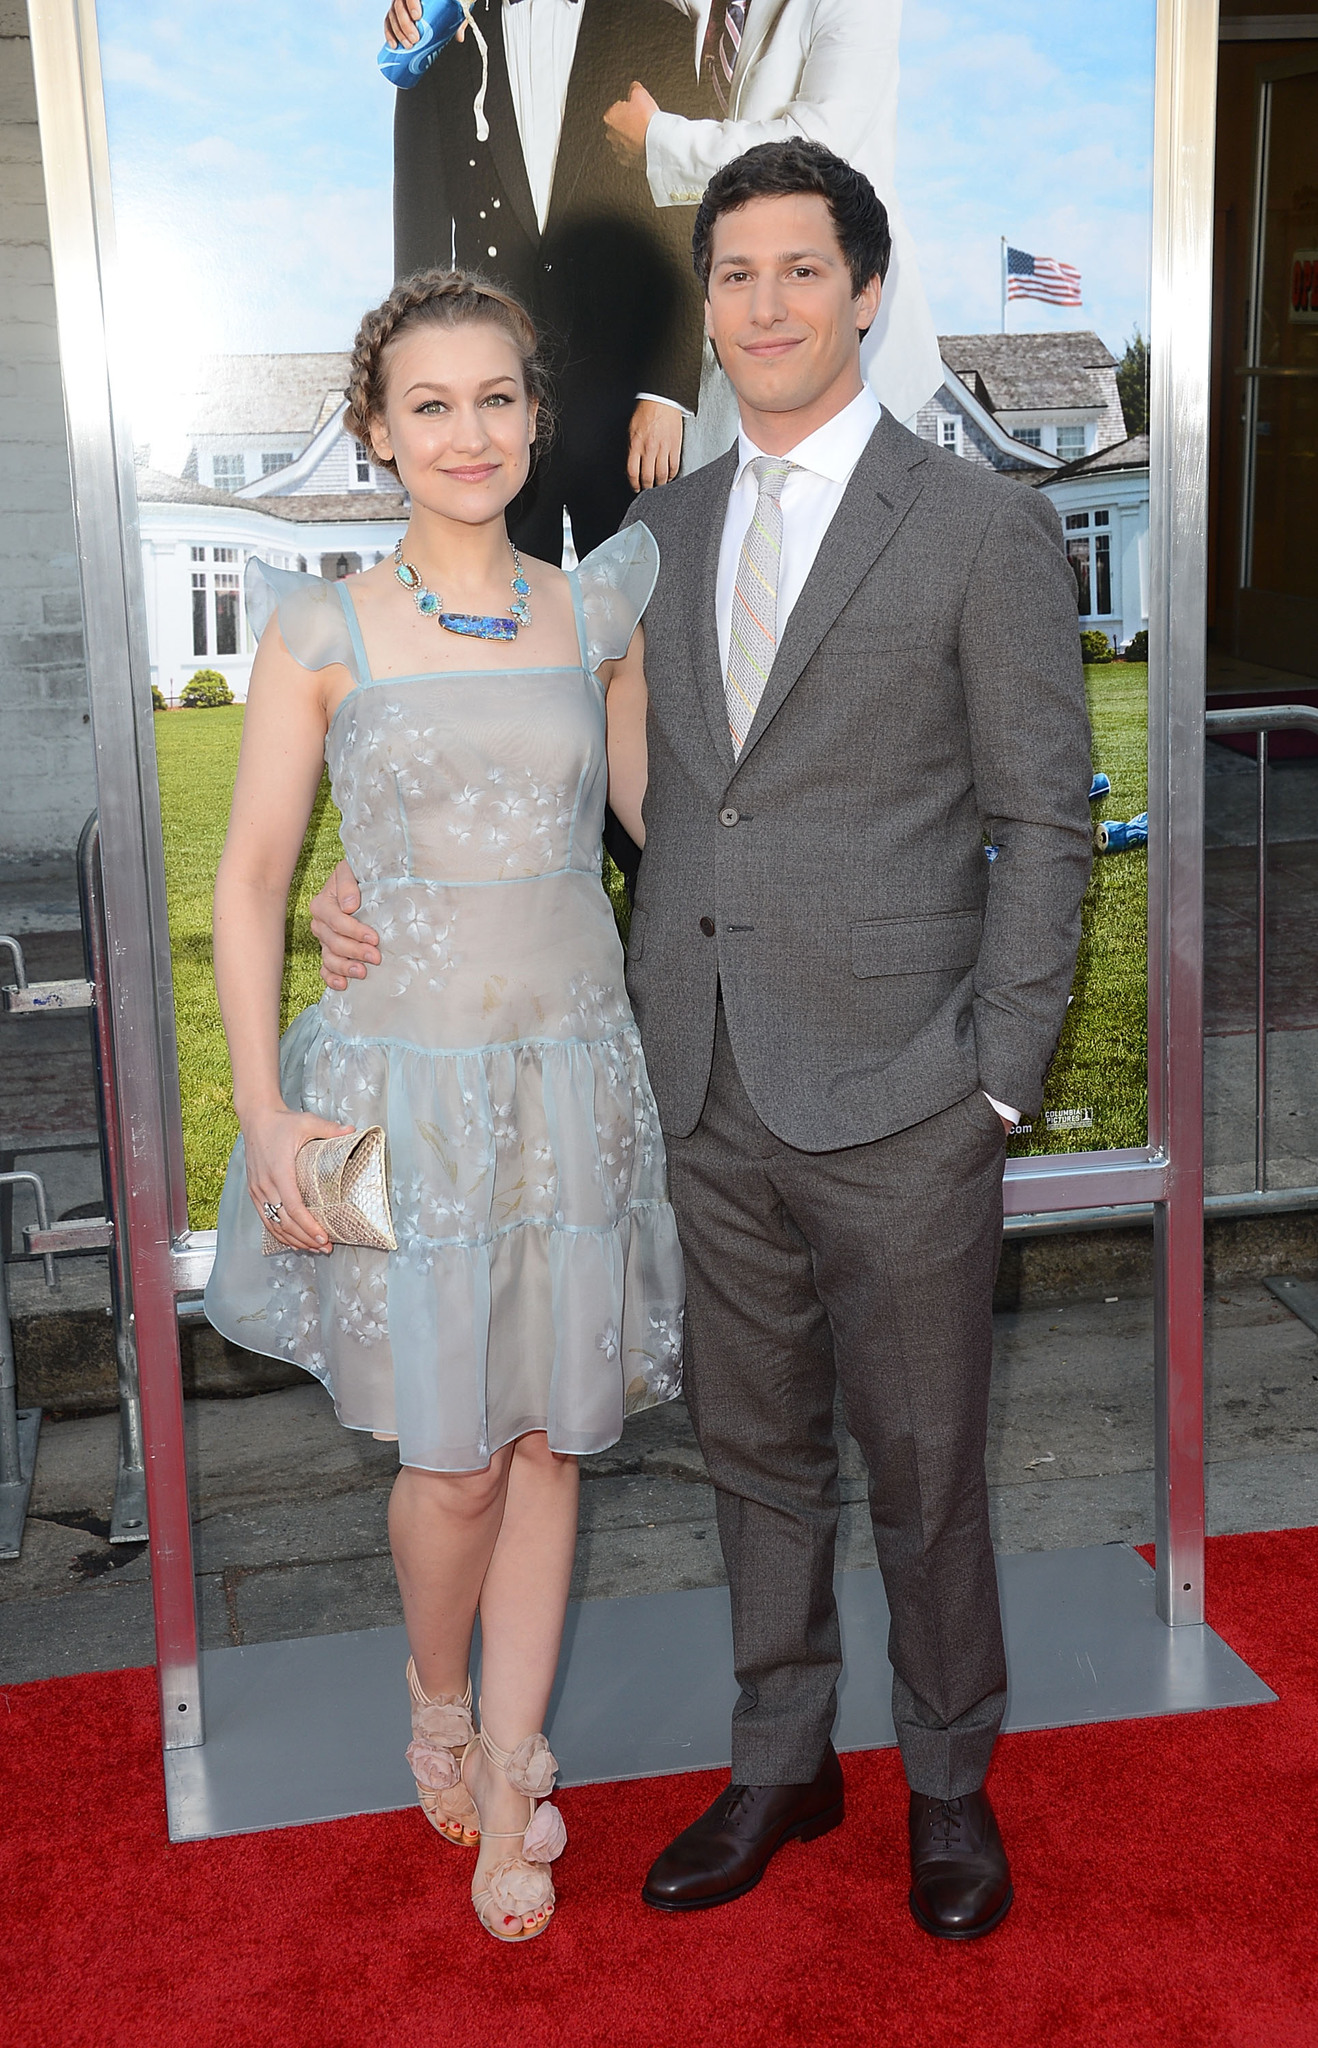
537, 1282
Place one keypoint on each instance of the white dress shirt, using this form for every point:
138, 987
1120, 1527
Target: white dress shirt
810, 497
540, 41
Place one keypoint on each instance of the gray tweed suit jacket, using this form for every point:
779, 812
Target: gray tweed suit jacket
927, 694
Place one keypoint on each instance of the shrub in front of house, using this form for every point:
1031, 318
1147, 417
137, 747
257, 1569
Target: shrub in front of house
1094, 646
209, 688
1137, 648
157, 701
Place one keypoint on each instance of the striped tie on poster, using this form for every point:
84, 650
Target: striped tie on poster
1041, 277
727, 25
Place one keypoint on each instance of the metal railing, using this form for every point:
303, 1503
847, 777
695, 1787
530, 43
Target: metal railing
1262, 720
1260, 1199
21, 997
19, 1427
128, 1520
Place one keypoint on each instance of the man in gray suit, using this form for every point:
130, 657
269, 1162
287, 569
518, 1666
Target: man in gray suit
863, 666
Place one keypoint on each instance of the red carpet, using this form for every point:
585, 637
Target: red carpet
1165, 1894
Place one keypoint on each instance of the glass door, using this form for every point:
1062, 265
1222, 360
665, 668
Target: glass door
1279, 554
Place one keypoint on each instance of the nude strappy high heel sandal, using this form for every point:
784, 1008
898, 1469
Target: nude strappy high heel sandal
441, 1730
520, 1884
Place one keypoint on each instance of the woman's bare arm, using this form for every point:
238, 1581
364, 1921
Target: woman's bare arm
279, 770
626, 702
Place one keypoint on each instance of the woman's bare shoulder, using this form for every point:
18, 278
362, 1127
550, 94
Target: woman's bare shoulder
547, 574
370, 585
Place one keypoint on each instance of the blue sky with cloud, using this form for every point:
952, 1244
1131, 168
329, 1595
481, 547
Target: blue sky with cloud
251, 146
1031, 119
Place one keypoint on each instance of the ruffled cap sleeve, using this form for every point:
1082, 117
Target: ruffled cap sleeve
312, 620
616, 582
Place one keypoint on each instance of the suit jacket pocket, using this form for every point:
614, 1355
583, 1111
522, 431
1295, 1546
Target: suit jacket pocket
636, 934
947, 942
981, 1111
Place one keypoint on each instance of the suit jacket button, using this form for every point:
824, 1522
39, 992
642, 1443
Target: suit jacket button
729, 816
707, 927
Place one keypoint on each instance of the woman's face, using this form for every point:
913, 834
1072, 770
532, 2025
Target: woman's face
456, 419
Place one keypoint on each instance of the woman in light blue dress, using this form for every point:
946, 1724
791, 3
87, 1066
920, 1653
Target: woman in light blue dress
535, 1297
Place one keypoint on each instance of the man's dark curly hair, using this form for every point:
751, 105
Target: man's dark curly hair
778, 170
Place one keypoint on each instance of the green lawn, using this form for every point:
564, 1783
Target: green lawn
1102, 1061
197, 752
1100, 1064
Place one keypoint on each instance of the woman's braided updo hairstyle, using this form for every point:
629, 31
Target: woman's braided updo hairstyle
439, 298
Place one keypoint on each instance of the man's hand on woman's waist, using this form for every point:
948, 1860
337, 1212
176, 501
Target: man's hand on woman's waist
347, 947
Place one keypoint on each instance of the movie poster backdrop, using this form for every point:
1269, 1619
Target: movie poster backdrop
269, 182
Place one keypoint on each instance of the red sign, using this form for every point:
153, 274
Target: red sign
1304, 287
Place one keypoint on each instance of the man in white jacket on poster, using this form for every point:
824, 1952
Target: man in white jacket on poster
825, 69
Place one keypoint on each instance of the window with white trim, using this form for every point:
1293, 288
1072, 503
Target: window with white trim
1031, 436
949, 432
1089, 551
1070, 443
361, 462
229, 472
226, 613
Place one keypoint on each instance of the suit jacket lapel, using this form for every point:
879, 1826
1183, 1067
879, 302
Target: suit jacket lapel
884, 485
580, 112
760, 18
505, 141
707, 517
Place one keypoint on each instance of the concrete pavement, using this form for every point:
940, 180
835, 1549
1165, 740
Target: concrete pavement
290, 1508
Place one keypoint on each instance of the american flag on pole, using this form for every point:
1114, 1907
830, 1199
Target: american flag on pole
1041, 277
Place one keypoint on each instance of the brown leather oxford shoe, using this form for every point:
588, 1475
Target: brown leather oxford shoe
960, 1882
729, 1848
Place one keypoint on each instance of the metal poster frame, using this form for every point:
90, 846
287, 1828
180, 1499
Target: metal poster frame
168, 1262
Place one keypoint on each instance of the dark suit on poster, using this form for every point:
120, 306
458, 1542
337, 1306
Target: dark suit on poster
609, 281
827, 972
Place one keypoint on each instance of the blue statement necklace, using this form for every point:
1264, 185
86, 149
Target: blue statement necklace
475, 625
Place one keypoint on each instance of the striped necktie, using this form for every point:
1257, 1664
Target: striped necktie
754, 636
727, 25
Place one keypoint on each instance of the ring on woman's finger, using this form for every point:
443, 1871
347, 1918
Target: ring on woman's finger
272, 1210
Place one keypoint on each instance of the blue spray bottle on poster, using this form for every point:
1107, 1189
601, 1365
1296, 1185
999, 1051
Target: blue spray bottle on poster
440, 21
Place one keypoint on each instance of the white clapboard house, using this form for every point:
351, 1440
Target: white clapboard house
1045, 408
269, 472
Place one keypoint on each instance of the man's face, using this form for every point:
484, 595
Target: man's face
779, 307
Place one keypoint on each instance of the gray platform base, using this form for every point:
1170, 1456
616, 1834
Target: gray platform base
14, 1493
315, 1729
1300, 1297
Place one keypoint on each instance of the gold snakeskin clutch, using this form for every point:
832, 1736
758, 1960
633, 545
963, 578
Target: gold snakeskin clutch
344, 1183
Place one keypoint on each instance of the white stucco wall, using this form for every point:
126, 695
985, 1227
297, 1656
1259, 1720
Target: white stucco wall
46, 780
